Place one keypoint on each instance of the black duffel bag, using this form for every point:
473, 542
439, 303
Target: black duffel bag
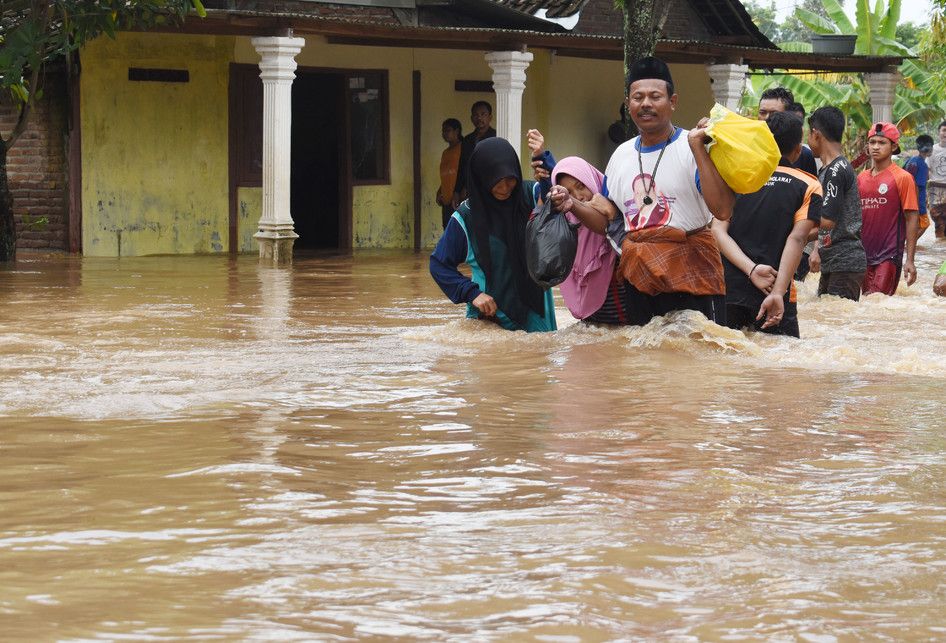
551, 245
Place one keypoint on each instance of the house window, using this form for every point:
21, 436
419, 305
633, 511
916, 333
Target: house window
368, 114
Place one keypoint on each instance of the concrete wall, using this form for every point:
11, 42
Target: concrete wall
695, 93
155, 162
154, 154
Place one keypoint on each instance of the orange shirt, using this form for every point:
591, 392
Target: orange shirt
449, 161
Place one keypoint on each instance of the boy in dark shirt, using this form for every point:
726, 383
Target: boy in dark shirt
838, 253
778, 99
762, 243
917, 166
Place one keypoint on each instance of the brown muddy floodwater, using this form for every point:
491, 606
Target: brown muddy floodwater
200, 448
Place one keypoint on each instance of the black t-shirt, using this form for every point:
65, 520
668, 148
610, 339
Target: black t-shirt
806, 162
840, 248
761, 223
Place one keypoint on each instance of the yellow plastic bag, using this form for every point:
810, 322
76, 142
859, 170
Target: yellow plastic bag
743, 150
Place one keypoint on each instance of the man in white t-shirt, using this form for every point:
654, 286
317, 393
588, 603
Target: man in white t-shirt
667, 190
936, 184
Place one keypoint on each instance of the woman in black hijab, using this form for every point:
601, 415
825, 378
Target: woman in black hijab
488, 232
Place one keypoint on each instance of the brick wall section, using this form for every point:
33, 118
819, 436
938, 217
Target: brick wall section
600, 18
37, 169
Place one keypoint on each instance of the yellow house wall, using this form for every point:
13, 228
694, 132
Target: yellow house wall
586, 97
695, 94
154, 155
249, 211
155, 161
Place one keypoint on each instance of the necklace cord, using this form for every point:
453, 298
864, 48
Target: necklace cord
640, 163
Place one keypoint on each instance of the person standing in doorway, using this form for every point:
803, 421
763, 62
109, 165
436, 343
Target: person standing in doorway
838, 253
481, 115
452, 132
889, 210
936, 187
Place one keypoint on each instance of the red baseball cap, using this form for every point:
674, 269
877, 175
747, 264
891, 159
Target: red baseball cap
887, 130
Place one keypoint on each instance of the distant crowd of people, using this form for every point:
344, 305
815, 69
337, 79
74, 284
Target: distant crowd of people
660, 230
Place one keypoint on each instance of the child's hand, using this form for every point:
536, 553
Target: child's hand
939, 285
536, 142
561, 199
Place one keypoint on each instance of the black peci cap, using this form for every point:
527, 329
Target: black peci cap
647, 68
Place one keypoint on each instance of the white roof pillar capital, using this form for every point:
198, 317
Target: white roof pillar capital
509, 81
882, 86
729, 83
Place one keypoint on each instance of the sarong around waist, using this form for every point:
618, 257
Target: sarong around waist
666, 259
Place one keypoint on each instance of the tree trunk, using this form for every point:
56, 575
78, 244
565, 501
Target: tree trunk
643, 20
641, 30
7, 228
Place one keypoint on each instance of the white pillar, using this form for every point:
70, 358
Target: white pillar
729, 83
509, 81
882, 86
277, 69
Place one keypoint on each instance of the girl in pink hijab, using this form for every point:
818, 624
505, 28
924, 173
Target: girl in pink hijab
588, 289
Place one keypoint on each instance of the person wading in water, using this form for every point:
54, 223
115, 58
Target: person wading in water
838, 254
487, 232
762, 243
889, 211
665, 186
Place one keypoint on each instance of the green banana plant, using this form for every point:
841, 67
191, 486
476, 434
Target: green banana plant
876, 29
917, 105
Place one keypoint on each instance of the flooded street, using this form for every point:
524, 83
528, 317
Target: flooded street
203, 448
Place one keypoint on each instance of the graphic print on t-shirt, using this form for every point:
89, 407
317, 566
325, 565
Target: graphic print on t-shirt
937, 164
648, 207
885, 198
675, 196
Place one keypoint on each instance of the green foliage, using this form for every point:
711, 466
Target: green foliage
920, 98
816, 23
875, 28
908, 34
764, 18
932, 46
35, 32
793, 30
